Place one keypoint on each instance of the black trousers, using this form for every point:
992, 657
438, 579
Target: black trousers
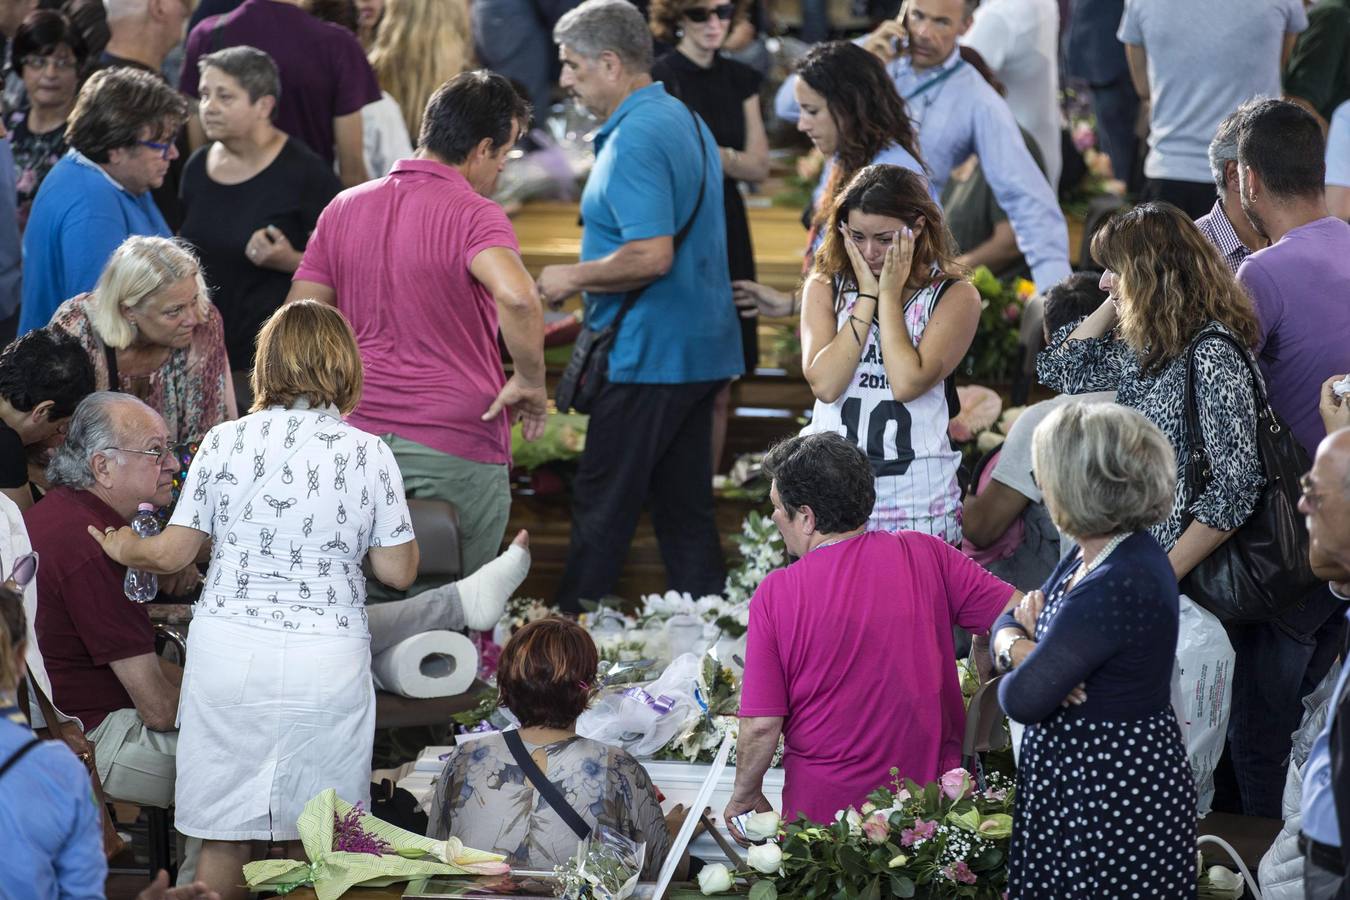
1194, 198
646, 444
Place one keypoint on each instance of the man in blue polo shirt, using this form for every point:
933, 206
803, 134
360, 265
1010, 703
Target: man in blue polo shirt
650, 433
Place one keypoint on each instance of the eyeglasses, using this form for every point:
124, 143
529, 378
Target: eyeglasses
38, 63
163, 148
159, 455
1306, 484
25, 569
699, 14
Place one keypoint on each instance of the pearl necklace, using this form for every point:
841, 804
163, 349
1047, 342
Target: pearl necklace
1105, 552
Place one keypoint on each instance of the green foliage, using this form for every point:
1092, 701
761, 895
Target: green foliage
993, 355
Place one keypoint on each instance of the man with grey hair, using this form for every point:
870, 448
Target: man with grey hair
1226, 226
142, 32
99, 648
654, 269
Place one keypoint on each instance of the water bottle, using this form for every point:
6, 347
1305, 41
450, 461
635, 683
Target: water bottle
141, 586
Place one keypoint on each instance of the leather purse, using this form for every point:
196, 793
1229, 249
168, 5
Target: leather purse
1262, 571
587, 370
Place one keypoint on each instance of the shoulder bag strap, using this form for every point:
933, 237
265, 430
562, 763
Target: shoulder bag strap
631, 297
18, 755
110, 356
547, 789
1195, 435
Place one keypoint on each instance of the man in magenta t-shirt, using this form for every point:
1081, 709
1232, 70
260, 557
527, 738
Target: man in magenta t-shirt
427, 269
849, 655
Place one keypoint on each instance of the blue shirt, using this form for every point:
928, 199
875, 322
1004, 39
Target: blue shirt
79, 217
961, 114
53, 836
1319, 802
893, 155
1338, 147
683, 328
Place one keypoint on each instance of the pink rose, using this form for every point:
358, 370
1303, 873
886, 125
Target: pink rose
876, 828
1011, 313
960, 872
956, 783
921, 831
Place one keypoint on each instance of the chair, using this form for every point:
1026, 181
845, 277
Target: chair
436, 524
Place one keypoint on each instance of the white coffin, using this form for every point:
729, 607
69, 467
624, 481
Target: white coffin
680, 781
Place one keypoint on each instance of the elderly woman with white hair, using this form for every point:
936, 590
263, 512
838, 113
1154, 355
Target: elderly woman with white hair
151, 330
1106, 803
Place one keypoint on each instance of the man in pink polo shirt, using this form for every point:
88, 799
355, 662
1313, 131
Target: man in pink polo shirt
427, 270
849, 656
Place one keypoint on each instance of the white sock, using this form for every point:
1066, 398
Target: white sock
484, 593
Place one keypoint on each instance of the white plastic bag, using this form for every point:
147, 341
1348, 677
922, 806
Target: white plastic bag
643, 719
1202, 684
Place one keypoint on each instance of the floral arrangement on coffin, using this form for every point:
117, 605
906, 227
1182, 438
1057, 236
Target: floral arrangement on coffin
941, 840
1217, 882
994, 354
761, 550
720, 690
347, 847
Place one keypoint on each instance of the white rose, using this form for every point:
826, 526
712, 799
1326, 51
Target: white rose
1226, 880
762, 826
714, 879
765, 858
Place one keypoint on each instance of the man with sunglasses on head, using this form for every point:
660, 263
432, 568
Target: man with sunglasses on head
121, 136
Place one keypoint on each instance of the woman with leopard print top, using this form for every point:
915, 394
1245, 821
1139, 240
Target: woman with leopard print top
1167, 288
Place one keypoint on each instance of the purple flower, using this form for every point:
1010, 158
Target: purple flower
351, 837
921, 831
960, 872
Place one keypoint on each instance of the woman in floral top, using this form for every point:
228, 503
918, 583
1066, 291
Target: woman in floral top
483, 796
49, 53
151, 330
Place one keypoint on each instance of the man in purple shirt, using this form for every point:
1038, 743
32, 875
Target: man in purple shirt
1226, 226
325, 79
1300, 284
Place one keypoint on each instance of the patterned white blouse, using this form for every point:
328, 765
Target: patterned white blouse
293, 499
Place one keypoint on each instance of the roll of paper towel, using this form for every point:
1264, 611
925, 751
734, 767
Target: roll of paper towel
434, 664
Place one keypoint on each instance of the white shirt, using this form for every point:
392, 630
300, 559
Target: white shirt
906, 443
293, 499
1019, 39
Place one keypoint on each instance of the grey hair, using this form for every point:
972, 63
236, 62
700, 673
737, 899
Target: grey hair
614, 25
141, 267
1103, 468
1223, 149
93, 428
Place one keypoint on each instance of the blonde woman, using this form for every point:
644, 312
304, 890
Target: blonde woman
420, 45
151, 330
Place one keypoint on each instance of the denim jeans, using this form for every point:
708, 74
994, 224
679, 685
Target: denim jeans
1278, 663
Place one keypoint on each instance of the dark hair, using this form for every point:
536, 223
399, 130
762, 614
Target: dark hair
467, 108
664, 17
116, 106
868, 111
545, 672
1282, 142
976, 62
255, 71
90, 19
1073, 298
43, 365
828, 474
41, 33
896, 192
339, 12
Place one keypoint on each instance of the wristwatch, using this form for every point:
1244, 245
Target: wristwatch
1004, 657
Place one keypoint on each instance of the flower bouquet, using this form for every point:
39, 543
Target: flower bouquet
348, 847
994, 354
941, 840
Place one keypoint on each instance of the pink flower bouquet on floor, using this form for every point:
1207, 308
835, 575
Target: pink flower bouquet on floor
348, 847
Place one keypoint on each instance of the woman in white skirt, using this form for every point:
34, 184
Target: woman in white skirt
277, 702
877, 347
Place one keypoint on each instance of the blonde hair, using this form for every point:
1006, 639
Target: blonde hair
1103, 469
1172, 283
138, 270
420, 45
13, 633
307, 349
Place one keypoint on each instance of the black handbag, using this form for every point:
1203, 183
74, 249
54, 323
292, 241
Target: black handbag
1262, 571
588, 370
